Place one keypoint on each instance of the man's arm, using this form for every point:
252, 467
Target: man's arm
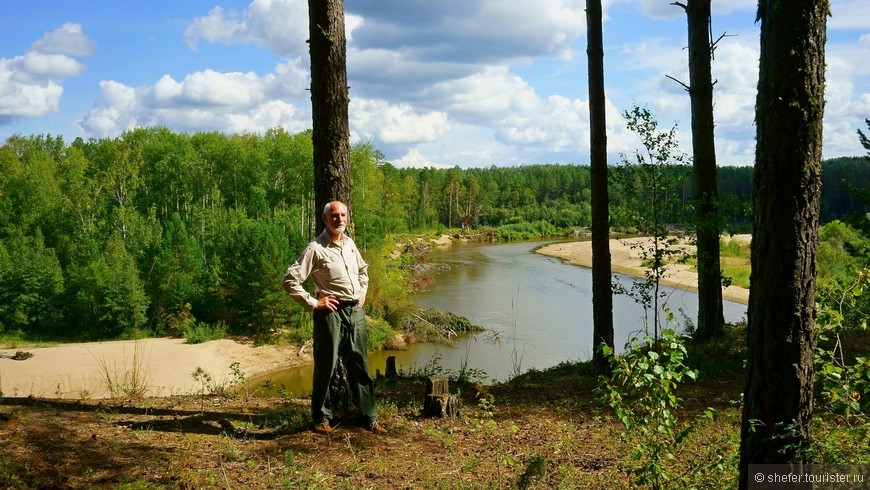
296, 275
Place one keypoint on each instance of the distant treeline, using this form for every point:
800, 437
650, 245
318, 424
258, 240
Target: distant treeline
154, 230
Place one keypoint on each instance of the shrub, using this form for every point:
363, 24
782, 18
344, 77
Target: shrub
642, 391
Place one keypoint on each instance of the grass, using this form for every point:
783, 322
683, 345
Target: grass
200, 332
15, 340
129, 381
734, 260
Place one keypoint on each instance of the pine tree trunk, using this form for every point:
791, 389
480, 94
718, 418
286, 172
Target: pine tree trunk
602, 292
778, 399
329, 103
710, 316
331, 130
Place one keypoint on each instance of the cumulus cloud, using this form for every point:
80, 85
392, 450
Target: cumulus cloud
205, 101
395, 124
280, 26
472, 32
114, 112
418, 70
32, 83
68, 40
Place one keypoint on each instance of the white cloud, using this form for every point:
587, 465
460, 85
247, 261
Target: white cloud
205, 100
114, 112
395, 124
442, 83
48, 66
32, 83
471, 33
210, 88
69, 40
278, 25
25, 99
414, 159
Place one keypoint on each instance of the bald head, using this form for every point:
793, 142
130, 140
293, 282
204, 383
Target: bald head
335, 219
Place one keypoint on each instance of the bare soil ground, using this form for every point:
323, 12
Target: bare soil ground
544, 430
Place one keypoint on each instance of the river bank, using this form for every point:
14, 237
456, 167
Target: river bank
625, 258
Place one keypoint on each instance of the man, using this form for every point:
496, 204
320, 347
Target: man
340, 280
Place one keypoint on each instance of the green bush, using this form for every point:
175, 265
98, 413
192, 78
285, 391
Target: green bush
733, 248
202, 332
379, 331
642, 391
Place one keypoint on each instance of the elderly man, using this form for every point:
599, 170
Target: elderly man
340, 279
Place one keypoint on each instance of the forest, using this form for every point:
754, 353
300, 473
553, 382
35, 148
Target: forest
153, 231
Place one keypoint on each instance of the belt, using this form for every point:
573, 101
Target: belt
348, 303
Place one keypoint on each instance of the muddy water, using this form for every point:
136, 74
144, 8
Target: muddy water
537, 310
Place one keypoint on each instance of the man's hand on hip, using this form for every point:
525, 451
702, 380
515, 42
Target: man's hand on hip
327, 303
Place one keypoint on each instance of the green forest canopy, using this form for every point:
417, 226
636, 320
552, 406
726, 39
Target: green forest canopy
137, 234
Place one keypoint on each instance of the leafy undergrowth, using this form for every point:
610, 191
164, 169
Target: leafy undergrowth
542, 430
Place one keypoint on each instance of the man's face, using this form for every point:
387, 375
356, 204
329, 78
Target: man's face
336, 219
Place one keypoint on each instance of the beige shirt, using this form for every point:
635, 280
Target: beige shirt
335, 268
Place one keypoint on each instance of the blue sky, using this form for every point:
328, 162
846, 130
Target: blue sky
453, 82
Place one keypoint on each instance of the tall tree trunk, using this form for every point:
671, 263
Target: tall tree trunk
602, 293
778, 399
330, 135
710, 316
329, 102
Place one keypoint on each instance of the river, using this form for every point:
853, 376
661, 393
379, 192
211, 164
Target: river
537, 310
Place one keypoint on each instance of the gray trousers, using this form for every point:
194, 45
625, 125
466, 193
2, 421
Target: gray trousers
342, 333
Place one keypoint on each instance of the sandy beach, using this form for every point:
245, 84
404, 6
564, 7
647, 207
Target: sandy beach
626, 259
164, 365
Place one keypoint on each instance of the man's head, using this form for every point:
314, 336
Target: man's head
335, 218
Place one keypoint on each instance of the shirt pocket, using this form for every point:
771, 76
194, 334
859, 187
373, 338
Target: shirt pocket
332, 264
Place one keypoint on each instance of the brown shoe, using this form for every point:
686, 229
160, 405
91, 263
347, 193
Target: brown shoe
323, 428
375, 428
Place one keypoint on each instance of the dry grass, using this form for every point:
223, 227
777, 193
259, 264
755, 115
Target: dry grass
127, 380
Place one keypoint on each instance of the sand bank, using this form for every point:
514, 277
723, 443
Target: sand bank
626, 259
164, 366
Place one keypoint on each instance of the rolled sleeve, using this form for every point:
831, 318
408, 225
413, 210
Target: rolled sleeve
296, 275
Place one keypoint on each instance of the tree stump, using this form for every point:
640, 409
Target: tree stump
340, 398
391, 367
439, 402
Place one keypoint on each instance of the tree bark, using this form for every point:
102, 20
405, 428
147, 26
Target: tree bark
602, 292
710, 316
329, 103
330, 133
778, 399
